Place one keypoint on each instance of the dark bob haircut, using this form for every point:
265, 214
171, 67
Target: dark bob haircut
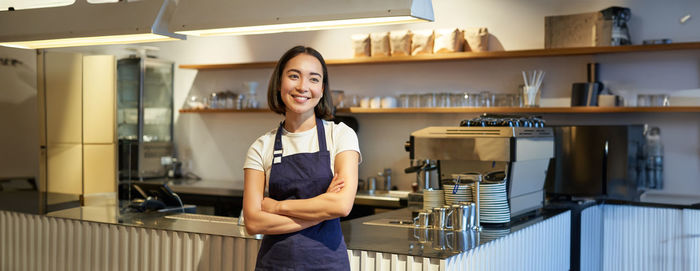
324, 108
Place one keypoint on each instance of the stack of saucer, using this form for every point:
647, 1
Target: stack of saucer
456, 193
488, 234
432, 199
493, 200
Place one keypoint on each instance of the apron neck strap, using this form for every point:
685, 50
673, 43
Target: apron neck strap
321, 132
321, 136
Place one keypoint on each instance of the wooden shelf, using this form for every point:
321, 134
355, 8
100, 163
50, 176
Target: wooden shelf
520, 110
467, 56
479, 110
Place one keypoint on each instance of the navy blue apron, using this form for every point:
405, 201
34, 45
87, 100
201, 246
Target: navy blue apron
302, 176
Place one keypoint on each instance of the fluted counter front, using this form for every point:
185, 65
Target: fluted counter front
95, 238
538, 243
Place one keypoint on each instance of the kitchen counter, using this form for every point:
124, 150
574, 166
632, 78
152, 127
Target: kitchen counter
200, 242
200, 187
365, 234
191, 223
358, 235
385, 199
234, 189
135, 240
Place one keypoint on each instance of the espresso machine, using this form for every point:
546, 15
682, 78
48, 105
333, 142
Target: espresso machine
521, 148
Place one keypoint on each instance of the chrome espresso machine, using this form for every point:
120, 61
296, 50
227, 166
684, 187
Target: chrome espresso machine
520, 147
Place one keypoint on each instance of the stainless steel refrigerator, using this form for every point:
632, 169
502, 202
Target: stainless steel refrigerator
145, 116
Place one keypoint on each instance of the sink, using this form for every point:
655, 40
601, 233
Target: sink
391, 222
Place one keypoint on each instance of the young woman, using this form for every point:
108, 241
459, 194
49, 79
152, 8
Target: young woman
308, 167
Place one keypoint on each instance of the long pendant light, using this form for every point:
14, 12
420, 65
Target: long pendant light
133, 21
242, 17
83, 23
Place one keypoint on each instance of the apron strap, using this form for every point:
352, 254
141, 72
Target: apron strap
277, 150
320, 129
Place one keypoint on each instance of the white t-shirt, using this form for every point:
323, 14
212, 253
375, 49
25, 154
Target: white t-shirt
339, 138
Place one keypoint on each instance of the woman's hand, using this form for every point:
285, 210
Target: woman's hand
336, 184
270, 205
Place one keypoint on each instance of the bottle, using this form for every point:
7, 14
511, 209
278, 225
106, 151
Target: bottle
654, 153
251, 101
386, 185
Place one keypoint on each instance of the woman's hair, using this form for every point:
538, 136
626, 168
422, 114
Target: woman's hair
324, 108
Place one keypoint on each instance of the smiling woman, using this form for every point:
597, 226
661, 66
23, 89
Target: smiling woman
302, 68
308, 166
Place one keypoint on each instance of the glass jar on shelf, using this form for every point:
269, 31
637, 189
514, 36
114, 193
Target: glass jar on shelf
251, 102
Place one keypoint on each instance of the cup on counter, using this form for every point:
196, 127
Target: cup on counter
423, 220
441, 218
371, 185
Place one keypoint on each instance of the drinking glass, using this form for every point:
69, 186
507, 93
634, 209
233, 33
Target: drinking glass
531, 96
352, 100
502, 100
456, 99
473, 99
512, 98
486, 98
659, 100
428, 100
518, 99
414, 100
404, 100
643, 100
443, 99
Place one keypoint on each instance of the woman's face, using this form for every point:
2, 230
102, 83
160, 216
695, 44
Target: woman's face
302, 84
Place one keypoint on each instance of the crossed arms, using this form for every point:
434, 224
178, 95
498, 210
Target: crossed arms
268, 216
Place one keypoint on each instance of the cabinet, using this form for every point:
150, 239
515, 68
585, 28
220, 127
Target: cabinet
79, 91
466, 56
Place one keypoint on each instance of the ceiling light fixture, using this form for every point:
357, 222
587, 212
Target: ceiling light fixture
83, 23
241, 17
